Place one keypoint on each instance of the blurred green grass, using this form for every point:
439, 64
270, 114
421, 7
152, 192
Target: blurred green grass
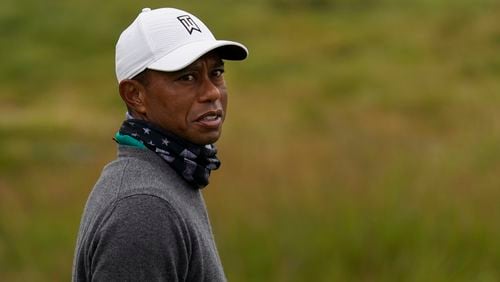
362, 142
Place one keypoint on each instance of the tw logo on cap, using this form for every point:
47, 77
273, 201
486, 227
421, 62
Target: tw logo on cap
188, 23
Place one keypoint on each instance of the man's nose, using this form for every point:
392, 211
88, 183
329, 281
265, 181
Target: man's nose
210, 92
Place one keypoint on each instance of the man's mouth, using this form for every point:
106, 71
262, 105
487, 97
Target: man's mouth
211, 119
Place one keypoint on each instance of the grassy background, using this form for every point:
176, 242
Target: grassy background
362, 143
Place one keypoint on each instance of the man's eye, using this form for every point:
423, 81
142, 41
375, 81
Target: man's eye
218, 73
187, 77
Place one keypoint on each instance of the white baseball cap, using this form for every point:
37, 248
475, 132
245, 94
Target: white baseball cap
168, 39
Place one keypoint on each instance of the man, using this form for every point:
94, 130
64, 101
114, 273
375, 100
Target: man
145, 219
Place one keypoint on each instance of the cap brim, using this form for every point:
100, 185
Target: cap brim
187, 54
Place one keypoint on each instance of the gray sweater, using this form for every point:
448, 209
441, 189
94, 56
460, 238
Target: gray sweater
143, 222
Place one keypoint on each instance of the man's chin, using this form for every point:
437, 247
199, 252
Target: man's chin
204, 138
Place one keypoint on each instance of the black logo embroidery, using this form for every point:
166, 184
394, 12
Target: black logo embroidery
188, 23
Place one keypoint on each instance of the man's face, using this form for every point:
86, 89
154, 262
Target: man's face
190, 103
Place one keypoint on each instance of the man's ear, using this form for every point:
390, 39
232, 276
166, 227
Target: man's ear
133, 94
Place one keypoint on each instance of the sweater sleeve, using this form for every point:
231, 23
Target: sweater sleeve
143, 239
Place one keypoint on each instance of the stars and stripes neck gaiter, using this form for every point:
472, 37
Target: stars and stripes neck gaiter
192, 162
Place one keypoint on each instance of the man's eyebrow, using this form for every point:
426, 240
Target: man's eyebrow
191, 67
219, 63
196, 65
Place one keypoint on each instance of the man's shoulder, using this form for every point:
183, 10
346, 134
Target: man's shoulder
139, 168
134, 160
141, 171
134, 175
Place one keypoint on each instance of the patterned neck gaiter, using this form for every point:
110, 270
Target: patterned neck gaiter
193, 162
